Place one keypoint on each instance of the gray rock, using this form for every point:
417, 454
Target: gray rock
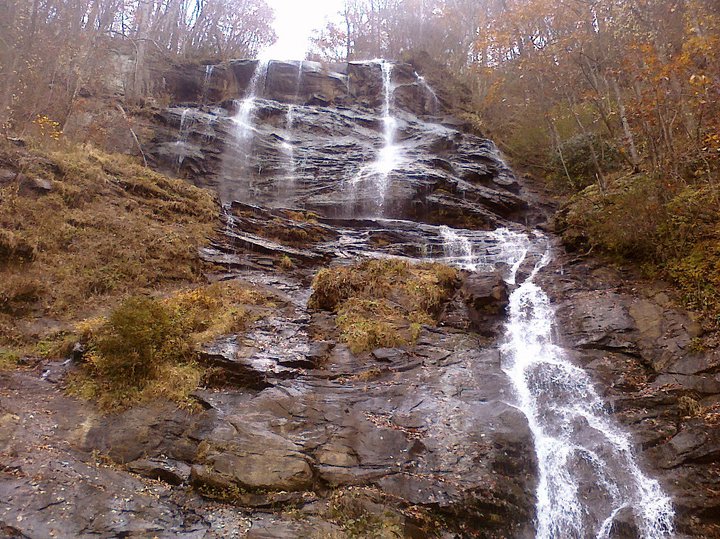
171, 471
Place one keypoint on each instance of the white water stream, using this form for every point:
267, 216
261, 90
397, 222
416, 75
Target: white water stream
244, 117
428, 89
183, 136
389, 156
206, 82
588, 474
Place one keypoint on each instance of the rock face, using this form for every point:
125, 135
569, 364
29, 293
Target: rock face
638, 344
298, 437
279, 151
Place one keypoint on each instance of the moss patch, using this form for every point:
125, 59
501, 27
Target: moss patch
383, 303
9, 358
361, 518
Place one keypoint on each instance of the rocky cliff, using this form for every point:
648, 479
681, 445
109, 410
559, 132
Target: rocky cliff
300, 436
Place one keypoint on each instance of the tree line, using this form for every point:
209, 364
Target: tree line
576, 88
50, 49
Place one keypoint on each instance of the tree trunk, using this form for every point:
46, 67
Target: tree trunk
629, 138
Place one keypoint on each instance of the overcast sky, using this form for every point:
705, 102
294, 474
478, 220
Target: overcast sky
294, 22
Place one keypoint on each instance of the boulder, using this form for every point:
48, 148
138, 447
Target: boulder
486, 296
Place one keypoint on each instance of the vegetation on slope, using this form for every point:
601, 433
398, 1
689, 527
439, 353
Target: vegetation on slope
80, 229
673, 231
148, 348
383, 303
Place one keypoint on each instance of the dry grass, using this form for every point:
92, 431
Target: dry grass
109, 228
383, 303
147, 348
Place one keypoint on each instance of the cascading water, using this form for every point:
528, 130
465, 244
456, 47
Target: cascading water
183, 135
458, 249
389, 156
206, 82
288, 150
588, 476
244, 130
428, 89
244, 117
298, 81
587, 471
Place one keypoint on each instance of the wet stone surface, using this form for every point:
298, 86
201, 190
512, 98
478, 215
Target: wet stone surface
298, 437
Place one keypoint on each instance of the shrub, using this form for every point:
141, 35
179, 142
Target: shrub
18, 293
139, 336
14, 248
577, 157
147, 348
367, 324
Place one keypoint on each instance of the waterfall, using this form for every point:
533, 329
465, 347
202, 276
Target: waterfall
587, 471
244, 117
206, 82
288, 150
299, 78
183, 135
388, 158
428, 90
243, 130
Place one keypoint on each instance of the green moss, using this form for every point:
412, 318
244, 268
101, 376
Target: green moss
348, 510
9, 358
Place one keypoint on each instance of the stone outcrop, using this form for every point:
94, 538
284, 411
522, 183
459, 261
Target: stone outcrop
642, 349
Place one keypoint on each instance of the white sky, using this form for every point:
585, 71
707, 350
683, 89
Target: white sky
294, 22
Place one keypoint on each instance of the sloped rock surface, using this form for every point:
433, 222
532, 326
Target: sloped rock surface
297, 436
638, 344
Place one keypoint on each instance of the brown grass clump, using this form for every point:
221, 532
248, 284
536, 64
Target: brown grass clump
383, 303
147, 348
107, 228
9, 359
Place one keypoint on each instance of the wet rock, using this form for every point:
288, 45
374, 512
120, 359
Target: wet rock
318, 351
246, 455
600, 320
233, 367
387, 354
638, 346
486, 296
7, 176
